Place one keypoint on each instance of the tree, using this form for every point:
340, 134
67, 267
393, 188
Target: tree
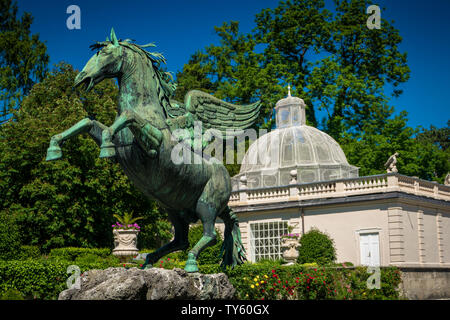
418, 156
69, 202
23, 58
437, 136
231, 71
290, 34
350, 82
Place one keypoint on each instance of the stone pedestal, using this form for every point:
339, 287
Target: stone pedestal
149, 284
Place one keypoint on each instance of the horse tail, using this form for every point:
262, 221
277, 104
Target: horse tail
232, 252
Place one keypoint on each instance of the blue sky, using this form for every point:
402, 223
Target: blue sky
180, 27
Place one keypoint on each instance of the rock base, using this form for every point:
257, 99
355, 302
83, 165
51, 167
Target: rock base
149, 284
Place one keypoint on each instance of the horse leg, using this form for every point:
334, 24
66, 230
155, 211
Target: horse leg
207, 215
180, 242
92, 127
142, 129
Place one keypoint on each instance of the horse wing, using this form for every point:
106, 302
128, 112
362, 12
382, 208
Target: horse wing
176, 108
220, 115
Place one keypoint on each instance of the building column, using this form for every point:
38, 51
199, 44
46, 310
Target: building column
440, 237
421, 236
396, 235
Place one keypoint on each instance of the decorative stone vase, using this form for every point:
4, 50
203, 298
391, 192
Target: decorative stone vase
289, 248
125, 241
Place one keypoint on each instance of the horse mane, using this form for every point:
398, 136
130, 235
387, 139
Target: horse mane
165, 84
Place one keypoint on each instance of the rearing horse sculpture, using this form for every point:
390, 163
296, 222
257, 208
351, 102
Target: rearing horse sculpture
141, 141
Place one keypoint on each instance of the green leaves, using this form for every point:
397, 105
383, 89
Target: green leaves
420, 155
23, 58
127, 218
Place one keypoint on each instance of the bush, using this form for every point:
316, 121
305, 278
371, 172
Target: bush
347, 264
73, 253
262, 281
316, 246
34, 279
93, 259
44, 278
210, 255
10, 239
12, 294
29, 252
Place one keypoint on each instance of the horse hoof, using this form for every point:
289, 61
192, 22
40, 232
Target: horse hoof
53, 153
191, 265
107, 151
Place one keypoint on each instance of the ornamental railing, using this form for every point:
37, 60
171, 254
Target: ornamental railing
338, 188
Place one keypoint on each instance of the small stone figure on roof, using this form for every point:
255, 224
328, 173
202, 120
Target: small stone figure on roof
391, 163
447, 179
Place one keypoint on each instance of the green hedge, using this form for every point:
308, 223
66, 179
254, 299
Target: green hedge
28, 252
72, 253
44, 278
33, 279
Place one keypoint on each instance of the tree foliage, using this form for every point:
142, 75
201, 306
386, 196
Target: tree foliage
418, 156
9, 238
69, 202
23, 58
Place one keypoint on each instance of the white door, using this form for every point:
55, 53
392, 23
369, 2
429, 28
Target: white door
370, 249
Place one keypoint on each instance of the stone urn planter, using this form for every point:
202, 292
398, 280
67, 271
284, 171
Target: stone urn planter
125, 241
289, 246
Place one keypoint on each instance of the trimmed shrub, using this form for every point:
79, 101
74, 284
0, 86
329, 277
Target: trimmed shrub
29, 252
34, 279
316, 246
43, 278
12, 294
72, 253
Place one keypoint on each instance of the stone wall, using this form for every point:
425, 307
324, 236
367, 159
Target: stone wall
425, 283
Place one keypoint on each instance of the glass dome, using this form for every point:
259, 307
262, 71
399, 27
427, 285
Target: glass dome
293, 145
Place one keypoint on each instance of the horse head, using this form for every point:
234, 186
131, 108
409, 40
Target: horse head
106, 63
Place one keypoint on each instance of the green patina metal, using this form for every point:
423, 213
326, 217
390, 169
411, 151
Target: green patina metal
141, 140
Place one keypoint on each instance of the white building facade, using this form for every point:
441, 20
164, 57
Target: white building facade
306, 182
